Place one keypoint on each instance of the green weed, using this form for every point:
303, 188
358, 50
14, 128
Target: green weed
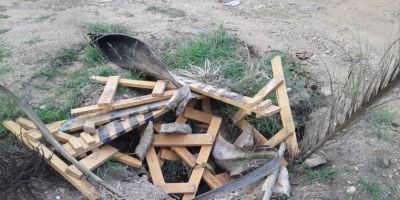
5, 69
97, 27
381, 120
324, 174
218, 47
9, 111
4, 30
373, 189
105, 71
4, 51
33, 40
93, 57
62, 58
3, 8
51, 113
42, 18
3, 16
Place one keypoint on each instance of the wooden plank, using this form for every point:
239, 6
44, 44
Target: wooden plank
101, 118
112, 130
35, 134
93, 160
87, 138
25, 123
212, 181
89, 127
159, 88
279, 137
197, 115
63, 137
218, 93
206, 105
60, 166
162, 140
127, 160
202, 158
167, 154
178, 188
125, 103
74, 142
154, 167
285, 112
131, 83
271, 110
109, 91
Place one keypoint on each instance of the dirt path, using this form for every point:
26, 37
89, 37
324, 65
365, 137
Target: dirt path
39, 28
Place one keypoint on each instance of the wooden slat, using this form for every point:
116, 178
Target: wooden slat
74, 142
101, 118
60, 166
172, 188
279, 137
159, 88
190, 160
125, 103
154, 167
206, 105
34, 134
128, 160
269, 111
205, 151
93, 160
132, 83
197, 115
162, 140
167, 154
109, 91
63, 137
285, 112
87, 138
25, 123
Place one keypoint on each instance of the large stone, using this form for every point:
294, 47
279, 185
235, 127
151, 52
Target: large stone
314, 161
175, 128
383, 161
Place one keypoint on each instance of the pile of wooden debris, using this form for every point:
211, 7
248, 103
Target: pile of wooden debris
86, 136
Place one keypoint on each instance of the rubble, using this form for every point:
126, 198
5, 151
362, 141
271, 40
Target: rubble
87, 135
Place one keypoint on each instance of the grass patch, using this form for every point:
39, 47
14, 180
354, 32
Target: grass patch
4, 51
4, 30
62, 58
217, 46
105, 71
174, 171
33, 40
93, 57
3, 8
9, 111
3, 16
42, 18
51, 113
373, 189
324, 174
5, 69
381, 120
97, 27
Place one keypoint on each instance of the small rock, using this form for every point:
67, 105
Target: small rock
396, 122
314, 161
383, 161
356, 169
351, 189
42, 107
231, 2
328, 51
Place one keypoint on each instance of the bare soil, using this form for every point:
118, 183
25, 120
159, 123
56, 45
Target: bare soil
320, 27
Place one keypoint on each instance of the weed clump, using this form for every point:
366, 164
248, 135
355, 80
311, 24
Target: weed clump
97, 27
324, 174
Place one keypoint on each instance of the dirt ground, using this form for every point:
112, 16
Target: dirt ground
320, 27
